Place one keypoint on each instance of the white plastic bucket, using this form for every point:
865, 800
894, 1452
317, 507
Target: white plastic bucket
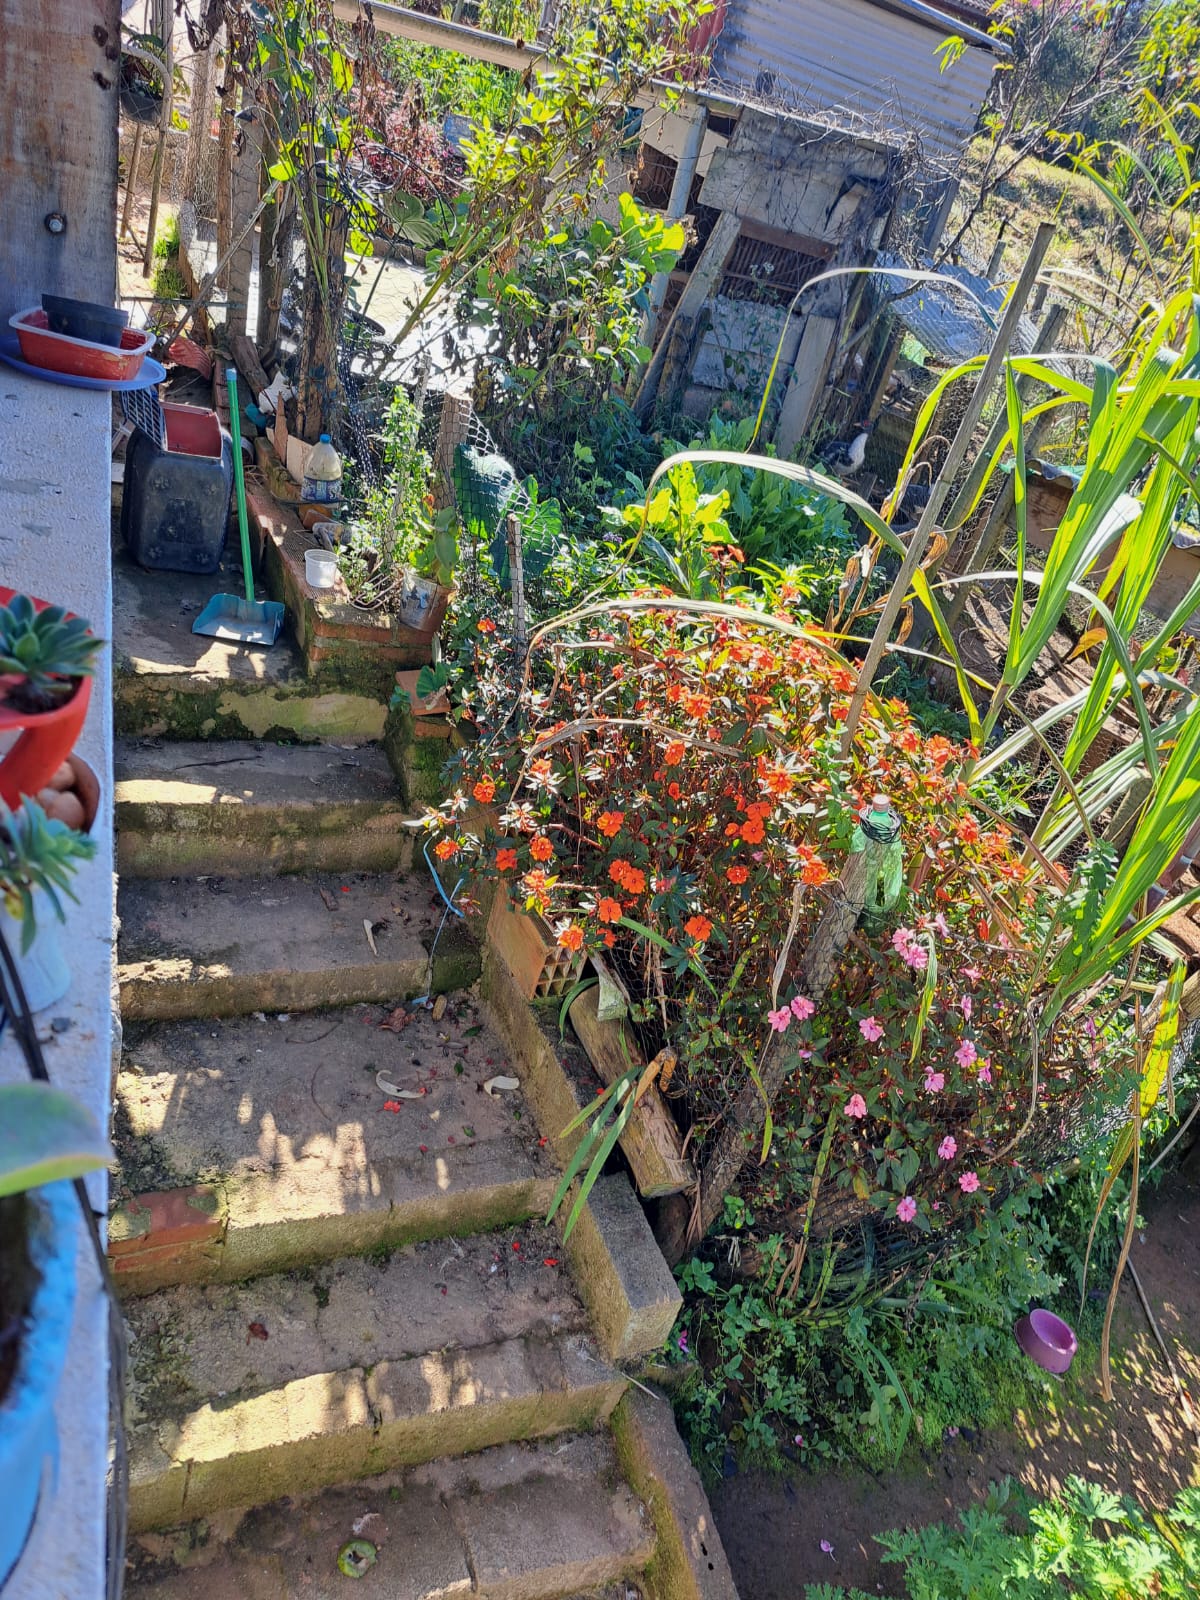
320, 568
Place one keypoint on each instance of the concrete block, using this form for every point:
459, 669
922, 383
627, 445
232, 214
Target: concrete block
625, 1282
689, 1561
548, 1537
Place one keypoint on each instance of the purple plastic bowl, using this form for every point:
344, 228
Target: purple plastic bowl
1047, 1340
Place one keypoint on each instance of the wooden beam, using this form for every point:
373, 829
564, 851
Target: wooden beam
651, 1142
703, 282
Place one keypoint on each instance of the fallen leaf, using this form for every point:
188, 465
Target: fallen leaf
385, 1083
500, 1081
327, 897
396, 1020
255, 1330
370, 935
468, 1130
470, 1033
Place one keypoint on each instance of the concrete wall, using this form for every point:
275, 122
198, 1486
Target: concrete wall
59, 66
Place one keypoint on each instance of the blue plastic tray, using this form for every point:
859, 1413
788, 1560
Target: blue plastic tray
151, 371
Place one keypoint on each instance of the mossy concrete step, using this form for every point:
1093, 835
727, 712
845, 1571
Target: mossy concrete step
222, 806
169, 682
227, 947
248, 1146
516, 1522
241, 1393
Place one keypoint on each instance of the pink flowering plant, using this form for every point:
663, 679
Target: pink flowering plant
670, 774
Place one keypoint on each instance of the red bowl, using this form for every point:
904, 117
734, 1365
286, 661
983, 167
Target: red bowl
1048, 1340
79, 358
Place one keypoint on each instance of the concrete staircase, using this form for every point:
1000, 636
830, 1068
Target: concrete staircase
346, 1318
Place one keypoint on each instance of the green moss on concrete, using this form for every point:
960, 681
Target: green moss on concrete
456, 962
158, 706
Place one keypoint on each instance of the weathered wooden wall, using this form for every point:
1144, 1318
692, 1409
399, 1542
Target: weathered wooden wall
58, 149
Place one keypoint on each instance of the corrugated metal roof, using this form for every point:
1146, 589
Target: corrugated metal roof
864, 59
952, 326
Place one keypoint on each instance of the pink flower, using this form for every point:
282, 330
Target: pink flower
801, 1007
966, 1055
968, 1182
871, 1029
948, 1148
906, 1209
826, 1548
938, 924
780, 1019
915, 955
937, 1205
971, 974
984, 1075
856, 1106
966, 1005
935, 1082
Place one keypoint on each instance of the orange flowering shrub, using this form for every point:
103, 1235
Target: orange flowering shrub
673, 780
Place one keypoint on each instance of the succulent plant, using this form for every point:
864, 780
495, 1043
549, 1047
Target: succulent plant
37, 852
47, 649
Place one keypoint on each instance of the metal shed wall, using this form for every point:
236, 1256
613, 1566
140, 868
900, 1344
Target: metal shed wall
875, 62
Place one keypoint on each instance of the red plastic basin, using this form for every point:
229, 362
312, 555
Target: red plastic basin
192, 430
80, 358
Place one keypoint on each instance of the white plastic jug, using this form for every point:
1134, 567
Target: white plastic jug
322, 474
320, 568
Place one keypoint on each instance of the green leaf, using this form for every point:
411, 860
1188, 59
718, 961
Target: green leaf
45, 1135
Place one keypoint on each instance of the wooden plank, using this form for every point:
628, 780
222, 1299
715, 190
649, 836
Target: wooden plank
652, 1143
700, 286
245, 354
59, 65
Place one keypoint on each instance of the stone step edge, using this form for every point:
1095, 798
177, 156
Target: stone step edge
243, 1228
168, 990
336, 1427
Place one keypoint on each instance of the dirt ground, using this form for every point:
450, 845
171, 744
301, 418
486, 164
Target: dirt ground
1141, 1444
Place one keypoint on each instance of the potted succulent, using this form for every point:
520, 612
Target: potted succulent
38, 856
46, 665
46, 1138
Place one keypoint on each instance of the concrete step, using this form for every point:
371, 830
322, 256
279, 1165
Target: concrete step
169, 682
223, 947
517, 1522
240, 1393
247, 1146
225, 806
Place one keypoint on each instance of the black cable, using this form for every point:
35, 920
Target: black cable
17, 1013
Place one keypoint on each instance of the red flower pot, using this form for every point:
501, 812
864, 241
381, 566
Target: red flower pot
46, 738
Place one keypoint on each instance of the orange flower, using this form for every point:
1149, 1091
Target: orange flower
610, 938
484, 791
761, 809
608, 910
617, 870
541, 769
697, 706
610, 823
486, 625
737, 874
540, 848
675, 792
674, 752
699, 928
813, 870
571, 937
506, 860
634, 881
753, 831
445, 848
967, 830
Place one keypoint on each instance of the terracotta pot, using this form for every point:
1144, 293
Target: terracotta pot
46, 739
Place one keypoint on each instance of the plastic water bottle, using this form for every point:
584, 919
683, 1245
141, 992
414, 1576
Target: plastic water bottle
323, 474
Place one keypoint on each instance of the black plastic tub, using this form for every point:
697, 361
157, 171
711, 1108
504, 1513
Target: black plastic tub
84, 319
175, 502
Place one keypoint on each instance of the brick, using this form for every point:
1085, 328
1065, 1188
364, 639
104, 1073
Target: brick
170, 1217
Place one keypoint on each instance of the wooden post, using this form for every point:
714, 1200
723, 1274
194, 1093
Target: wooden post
160, 149
223, 180
131, 177
919, 542
453, 430
247, 167
696, 292
275, 246
809, 372
983, 544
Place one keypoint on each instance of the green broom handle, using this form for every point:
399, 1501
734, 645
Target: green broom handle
235, 428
